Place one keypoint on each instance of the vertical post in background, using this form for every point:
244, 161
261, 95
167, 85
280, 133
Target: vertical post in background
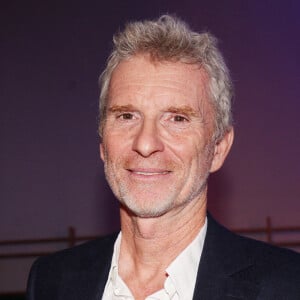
71, 236
269, 230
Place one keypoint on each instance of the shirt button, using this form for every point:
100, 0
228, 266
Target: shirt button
117, 292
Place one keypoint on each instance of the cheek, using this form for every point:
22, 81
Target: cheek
188, 148
113, 148
199, 157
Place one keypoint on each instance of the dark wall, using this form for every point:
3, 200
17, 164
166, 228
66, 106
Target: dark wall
51, 55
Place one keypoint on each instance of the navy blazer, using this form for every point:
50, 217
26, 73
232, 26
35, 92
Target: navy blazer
231, 267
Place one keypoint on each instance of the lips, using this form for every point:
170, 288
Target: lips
151, 173
148, 172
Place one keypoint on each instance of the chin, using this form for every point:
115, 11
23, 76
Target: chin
149, 211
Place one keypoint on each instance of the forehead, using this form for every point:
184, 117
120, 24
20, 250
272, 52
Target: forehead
140, 78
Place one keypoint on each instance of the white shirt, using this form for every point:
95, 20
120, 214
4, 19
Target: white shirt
181, 279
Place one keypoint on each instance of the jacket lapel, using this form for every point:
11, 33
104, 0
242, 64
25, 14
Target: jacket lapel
222, 272
87, 280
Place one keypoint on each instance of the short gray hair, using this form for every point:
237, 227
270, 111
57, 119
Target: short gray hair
170, 39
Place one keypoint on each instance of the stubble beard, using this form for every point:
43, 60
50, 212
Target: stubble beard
155, 204
158, 205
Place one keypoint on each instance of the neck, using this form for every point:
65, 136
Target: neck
149, 245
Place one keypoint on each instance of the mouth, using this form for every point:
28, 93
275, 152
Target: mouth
148, 172
151, 173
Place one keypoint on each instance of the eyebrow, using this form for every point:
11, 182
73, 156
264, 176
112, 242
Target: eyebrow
121, 108
185, 110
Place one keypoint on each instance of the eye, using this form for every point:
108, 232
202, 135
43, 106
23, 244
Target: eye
179, 118
125, 116
176, 121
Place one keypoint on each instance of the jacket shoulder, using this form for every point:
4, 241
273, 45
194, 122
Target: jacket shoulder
63, 272
82, 254
246, 251
274, 271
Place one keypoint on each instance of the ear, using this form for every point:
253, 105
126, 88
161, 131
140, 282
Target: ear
101, 150
221, 150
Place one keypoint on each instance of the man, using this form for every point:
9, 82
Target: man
166, 124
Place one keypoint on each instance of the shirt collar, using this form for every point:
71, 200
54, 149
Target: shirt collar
115, 286
183, 270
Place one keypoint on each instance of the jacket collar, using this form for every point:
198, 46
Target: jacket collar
222, 272
87, 279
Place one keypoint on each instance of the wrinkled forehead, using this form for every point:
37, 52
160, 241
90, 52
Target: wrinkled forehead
140, 74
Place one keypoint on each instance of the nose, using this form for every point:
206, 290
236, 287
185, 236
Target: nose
147, 140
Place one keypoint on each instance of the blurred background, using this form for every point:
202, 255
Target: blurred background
51, 176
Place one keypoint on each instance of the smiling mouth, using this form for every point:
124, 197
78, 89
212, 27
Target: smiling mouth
149, 172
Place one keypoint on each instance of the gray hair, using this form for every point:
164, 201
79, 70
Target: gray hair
170, 39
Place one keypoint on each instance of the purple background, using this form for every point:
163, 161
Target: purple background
51, 55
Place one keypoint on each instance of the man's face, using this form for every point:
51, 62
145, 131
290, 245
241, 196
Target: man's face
157, 139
